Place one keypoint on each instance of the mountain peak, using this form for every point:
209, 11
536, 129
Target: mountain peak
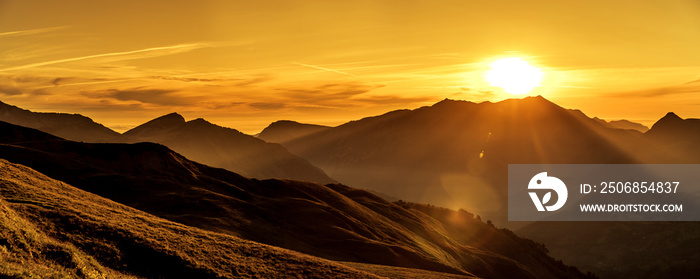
171, 117
671, 115
165, 122
669, 120
669, 126
538, 99
287, 130
201, 122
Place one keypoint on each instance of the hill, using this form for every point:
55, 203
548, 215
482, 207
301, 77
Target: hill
49, 229
69, 126
333, 221
285, 130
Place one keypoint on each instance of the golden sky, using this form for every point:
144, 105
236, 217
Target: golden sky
244, 64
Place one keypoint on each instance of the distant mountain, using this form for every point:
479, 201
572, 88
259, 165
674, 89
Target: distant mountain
629, 125
677, 137
226, 148
456, 153
623, 124
197, 139
69, 126
334, 221
673, 129
285, 130
49, 229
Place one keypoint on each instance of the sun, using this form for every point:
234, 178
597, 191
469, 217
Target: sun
514, 75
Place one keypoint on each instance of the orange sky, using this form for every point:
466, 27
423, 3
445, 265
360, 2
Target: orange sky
244, 64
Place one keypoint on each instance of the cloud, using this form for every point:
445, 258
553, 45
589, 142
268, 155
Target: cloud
393, 99
118, 56
31, 31
237, 81
162, 97
8, 90
215, 105
474, 94
327, 92
268, 105
322, 68
685, 88
186, 79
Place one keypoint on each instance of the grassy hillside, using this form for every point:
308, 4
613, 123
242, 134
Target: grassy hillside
51, 229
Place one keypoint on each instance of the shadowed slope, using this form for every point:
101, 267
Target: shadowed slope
226, 148
69, 126
623, 249
52, 229
335, 222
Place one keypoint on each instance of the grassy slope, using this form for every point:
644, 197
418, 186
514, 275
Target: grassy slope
51, 229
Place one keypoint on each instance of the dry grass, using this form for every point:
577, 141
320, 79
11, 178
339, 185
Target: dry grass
53, 230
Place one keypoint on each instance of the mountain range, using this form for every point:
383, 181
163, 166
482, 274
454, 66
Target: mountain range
456, 153
197, 139
69, 126
329, 221
226, 148
453, 154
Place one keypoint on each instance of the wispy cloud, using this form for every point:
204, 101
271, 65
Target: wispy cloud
327, 93
684, 88
162, 97
31, 31
322, 68
119, 56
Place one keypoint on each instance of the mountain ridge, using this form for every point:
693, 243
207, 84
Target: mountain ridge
227, 148
205, 142
71, 126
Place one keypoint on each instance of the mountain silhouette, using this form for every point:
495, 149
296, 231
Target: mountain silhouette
456, 153
198, 139
623, 124
286, 130
69, 126
672, 129
333, 221
226, 148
